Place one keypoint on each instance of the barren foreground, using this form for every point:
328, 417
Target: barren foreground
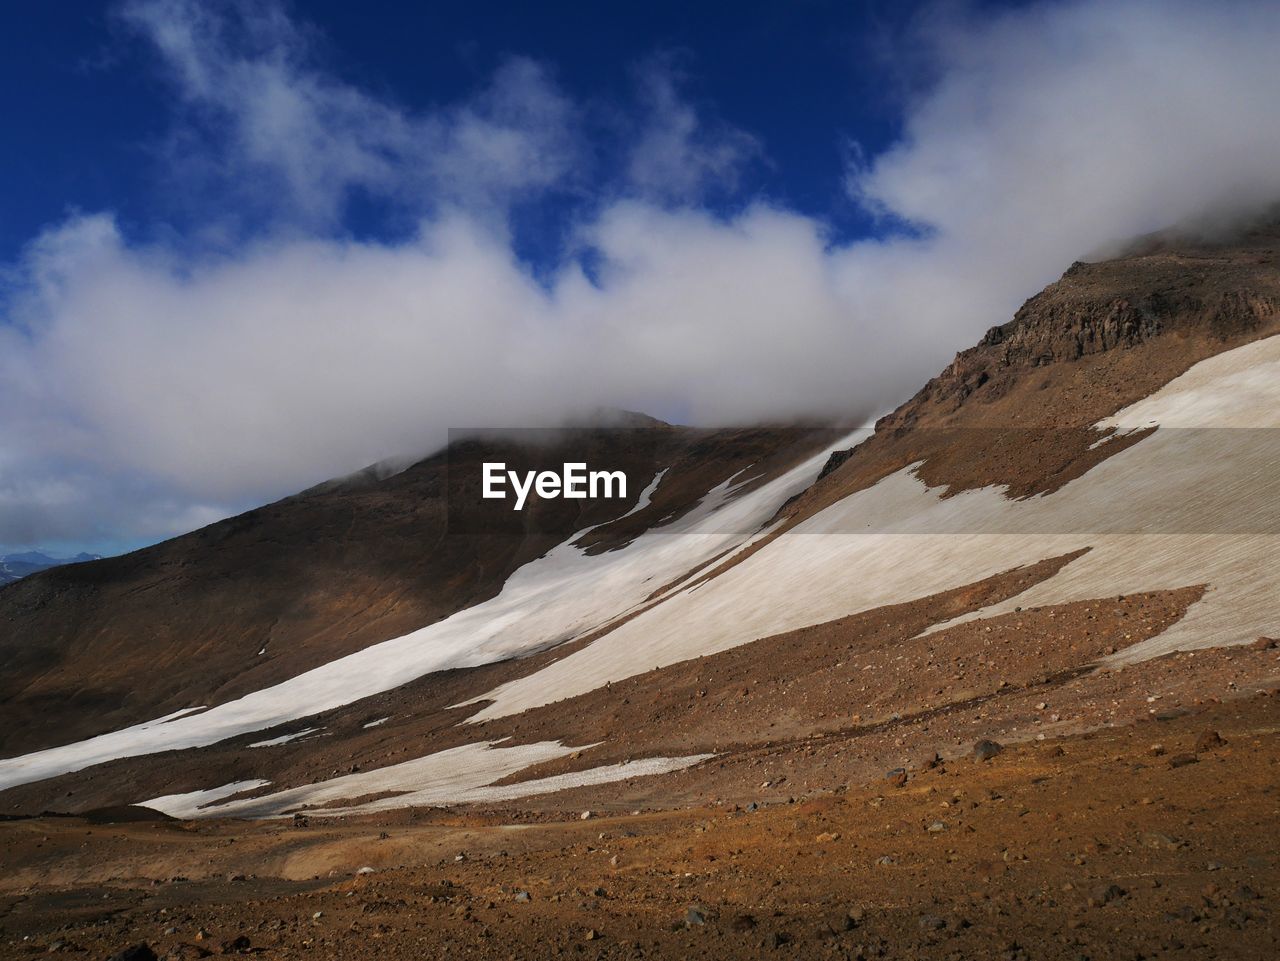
1154, 840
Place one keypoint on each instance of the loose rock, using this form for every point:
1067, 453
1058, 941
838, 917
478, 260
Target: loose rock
135, 952
1208, 741
1154, 839
1105, 894
985, 749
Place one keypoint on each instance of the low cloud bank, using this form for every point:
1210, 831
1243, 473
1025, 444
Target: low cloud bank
150, 387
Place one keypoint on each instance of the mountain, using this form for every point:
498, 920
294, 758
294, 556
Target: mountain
1059, 551
17, 566
254, 600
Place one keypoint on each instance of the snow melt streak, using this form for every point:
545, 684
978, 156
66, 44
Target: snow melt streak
459, 775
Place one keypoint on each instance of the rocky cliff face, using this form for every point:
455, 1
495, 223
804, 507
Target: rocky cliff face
1017, 409
1218, 293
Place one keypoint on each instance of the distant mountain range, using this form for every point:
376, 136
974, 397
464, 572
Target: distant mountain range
14, 567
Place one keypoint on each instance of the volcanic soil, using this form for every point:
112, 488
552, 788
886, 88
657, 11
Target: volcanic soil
1148, 840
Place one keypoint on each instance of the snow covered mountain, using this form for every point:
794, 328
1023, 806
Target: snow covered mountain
1090, 488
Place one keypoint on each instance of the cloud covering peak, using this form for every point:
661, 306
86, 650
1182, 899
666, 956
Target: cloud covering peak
148, 386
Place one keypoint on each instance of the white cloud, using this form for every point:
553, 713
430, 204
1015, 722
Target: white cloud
1066, 124
260, 114
301, 358
679, 155
151, 380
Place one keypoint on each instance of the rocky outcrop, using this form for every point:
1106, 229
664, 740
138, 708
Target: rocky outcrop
1213, 291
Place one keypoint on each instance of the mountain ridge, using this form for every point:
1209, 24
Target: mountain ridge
15, 566
956, 436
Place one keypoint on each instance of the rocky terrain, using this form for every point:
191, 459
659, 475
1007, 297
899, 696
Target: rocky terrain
998, 679
1153, 839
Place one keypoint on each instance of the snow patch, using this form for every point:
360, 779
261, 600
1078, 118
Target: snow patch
459, 775
1180, 507
175, 715
194, 804
285, 738
541, 604
646, 495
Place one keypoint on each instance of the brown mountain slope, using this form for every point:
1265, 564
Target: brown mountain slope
343, 566
255, 599
1017, 408
834, 805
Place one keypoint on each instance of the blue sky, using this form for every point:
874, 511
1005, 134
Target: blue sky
88, 107
246, 246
